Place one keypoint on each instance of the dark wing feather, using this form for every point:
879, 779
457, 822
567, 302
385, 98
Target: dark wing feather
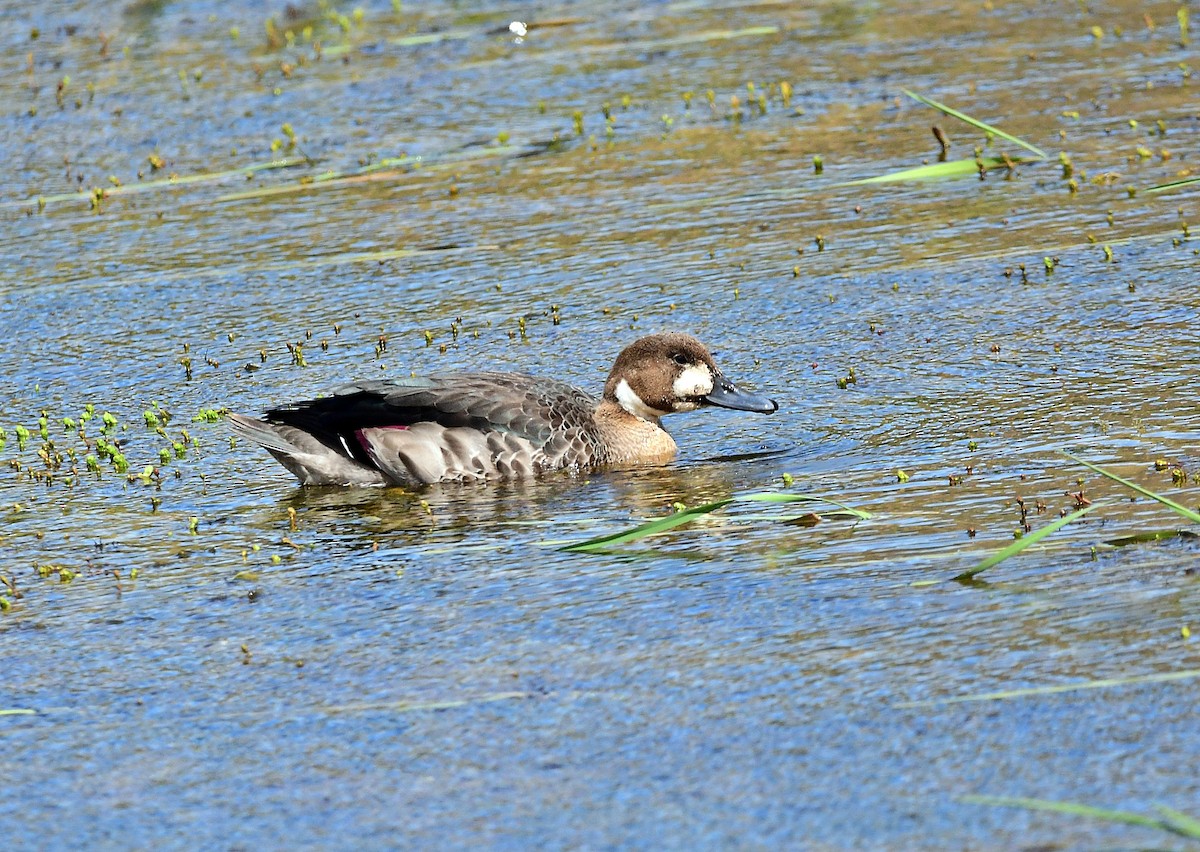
554, 416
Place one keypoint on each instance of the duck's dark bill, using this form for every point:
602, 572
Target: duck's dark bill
727, 395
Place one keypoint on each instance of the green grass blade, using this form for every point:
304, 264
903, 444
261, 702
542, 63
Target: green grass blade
1166, 501
1072, 808
1024, 542
1180, 823
1144, 537
649, 528
1163, 187
777, 497
943, 171
974, 122
686, 516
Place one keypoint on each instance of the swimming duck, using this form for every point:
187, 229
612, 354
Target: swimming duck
465, 427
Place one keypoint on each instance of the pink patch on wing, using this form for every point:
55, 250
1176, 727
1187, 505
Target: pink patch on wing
362, 441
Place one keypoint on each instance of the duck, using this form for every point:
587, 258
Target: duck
494, 426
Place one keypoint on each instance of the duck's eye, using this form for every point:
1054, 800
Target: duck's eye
681, 359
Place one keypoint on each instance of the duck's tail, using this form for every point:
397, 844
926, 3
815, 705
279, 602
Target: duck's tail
312, 462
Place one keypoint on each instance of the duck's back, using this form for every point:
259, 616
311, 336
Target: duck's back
454, 426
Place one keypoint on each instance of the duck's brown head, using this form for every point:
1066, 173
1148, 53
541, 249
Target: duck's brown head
663, 373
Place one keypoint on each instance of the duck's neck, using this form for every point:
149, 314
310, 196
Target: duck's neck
629, 439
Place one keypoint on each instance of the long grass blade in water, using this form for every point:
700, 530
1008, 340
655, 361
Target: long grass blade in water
1185, 827
1181, 821
776, 497
390, 168
1033, 691
974, 122
433, 38
686, 516
649, 528
943, 171
1175, 184
1024, 542
418, 706
1144, 537
1166, 501
171, 182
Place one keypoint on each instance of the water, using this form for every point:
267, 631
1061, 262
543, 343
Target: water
419, 669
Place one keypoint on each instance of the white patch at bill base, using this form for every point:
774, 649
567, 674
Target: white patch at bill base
696, 380
632, 403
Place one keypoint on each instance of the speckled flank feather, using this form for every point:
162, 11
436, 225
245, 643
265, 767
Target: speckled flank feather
470, 427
